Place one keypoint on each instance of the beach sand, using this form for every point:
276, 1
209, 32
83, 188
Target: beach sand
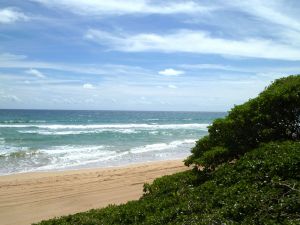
32, 197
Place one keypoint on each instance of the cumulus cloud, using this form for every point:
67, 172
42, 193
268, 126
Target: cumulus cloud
88, 86
195, 41
120, 7
171, 72
35, 73
11, 15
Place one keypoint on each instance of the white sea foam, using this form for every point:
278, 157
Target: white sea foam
71, 149
8, 150
22, 121
76, 132
108, 126
161, 146
74, 156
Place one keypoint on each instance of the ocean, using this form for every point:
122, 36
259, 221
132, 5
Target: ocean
45, 140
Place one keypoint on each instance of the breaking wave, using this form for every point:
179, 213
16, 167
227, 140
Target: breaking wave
108, 126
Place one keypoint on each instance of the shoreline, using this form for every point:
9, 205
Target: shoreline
31, 197
74, 169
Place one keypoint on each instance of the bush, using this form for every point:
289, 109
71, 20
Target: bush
273, 115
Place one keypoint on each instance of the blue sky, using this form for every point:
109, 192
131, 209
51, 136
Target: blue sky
144, 54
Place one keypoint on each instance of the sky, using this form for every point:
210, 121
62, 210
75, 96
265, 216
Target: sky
144, 54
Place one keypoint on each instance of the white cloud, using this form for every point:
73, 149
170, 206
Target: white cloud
171, 72
207, 66
36, 73
88, 86
195, 41
279, 19
11, 15
8, 60
255, 69
277, 12
120, 7
11, 57
219, 67
172, 86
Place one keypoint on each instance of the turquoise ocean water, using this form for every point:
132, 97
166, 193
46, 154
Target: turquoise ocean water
43, 140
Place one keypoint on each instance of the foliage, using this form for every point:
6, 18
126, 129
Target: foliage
273, 115
262, 187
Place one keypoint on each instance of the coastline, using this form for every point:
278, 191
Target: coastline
31, 197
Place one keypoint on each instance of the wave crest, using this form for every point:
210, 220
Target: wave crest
108, 126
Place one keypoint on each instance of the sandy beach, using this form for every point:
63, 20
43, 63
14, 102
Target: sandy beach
32, 197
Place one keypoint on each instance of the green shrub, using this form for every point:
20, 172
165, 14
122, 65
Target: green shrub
273, 115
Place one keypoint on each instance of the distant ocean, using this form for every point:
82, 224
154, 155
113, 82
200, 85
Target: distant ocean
43, 140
